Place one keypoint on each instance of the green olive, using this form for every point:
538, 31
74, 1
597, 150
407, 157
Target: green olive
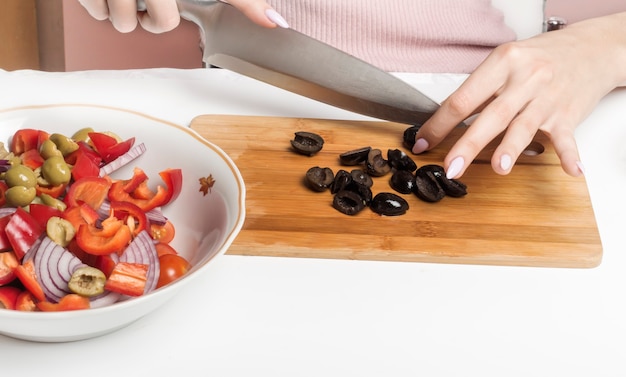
56, 171
64, 143
20, 196
87, 281
52, 202
82, 134
20, 175
60, 230
49, 149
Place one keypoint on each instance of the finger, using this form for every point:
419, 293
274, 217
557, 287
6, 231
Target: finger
259, 12
564, 143
97, 9
123, 15
160, 16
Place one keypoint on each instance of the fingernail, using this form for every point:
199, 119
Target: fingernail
455, 167
276, 18
420, 146
580, 167
505, 162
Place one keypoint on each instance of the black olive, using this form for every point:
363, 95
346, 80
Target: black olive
376, 165
389, 204
427, 187
362, 177
319, 179
307, 143
400, 160
364, 191
408, 139
452, 187
348, 202
354, 157
403, 181
342, 179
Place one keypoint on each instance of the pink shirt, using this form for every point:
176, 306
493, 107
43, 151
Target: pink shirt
403, 35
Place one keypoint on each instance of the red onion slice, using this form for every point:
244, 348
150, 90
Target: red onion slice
54, 266
142, 250
122, 160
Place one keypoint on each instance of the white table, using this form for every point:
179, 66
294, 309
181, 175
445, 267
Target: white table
263, 316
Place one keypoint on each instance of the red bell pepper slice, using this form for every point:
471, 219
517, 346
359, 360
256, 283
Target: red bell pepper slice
108, 147
8, 264
71, 301
173, 179
5, 244
132, 215
53, 191
141, 195
25, 302
3, 189
128, 279
82, 214
22, 230
113, 237
42, 213
32, 159
85, 166
26, 274
86, 150
24, 140
89, 190
8, 297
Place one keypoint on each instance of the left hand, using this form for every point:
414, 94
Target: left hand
550, 83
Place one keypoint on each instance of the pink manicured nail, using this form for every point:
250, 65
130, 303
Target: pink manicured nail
276, 18
580, 167
420, 146
455, 167
505, 162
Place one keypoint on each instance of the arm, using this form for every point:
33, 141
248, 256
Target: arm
162, 15
550, 82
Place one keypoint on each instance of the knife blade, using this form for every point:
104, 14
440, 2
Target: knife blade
290, 60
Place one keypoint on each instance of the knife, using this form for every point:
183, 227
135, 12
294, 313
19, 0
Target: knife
290, 60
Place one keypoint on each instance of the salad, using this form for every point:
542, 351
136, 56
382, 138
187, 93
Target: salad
71, 236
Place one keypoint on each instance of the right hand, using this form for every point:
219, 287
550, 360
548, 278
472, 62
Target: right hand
162, 15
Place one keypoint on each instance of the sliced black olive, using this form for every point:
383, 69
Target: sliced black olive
376, 165
354, 157
389, 204
408, 139
341, 181
403, 181
307, 143
400, 160
360, 176
452, 187
348, 202
365, 192
427, 187
319, 179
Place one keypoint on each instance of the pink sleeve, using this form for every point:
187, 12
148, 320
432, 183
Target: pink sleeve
403, 35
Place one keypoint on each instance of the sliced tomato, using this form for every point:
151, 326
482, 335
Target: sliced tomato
85, 167
25, 302
163, 233
26, 274
8, 264
113, 237
90, 190
71, 301
128, 279
164, 248
172, 267
8, 297
86, 150
22, 230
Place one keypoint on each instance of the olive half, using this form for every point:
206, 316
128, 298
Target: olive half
389, 204
319, 179
376, 165
355, 156
348, 202
307, 143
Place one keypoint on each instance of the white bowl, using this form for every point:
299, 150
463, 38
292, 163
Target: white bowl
206, 225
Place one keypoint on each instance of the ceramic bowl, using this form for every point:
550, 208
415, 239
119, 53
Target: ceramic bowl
206, 224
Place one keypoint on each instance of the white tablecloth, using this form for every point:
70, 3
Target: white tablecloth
262, 316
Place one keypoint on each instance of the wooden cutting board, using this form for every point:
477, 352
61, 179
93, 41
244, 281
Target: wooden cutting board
535, 216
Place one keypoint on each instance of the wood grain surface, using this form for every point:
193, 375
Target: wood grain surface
535, 216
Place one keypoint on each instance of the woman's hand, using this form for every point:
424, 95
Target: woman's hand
550, 83
162, 15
